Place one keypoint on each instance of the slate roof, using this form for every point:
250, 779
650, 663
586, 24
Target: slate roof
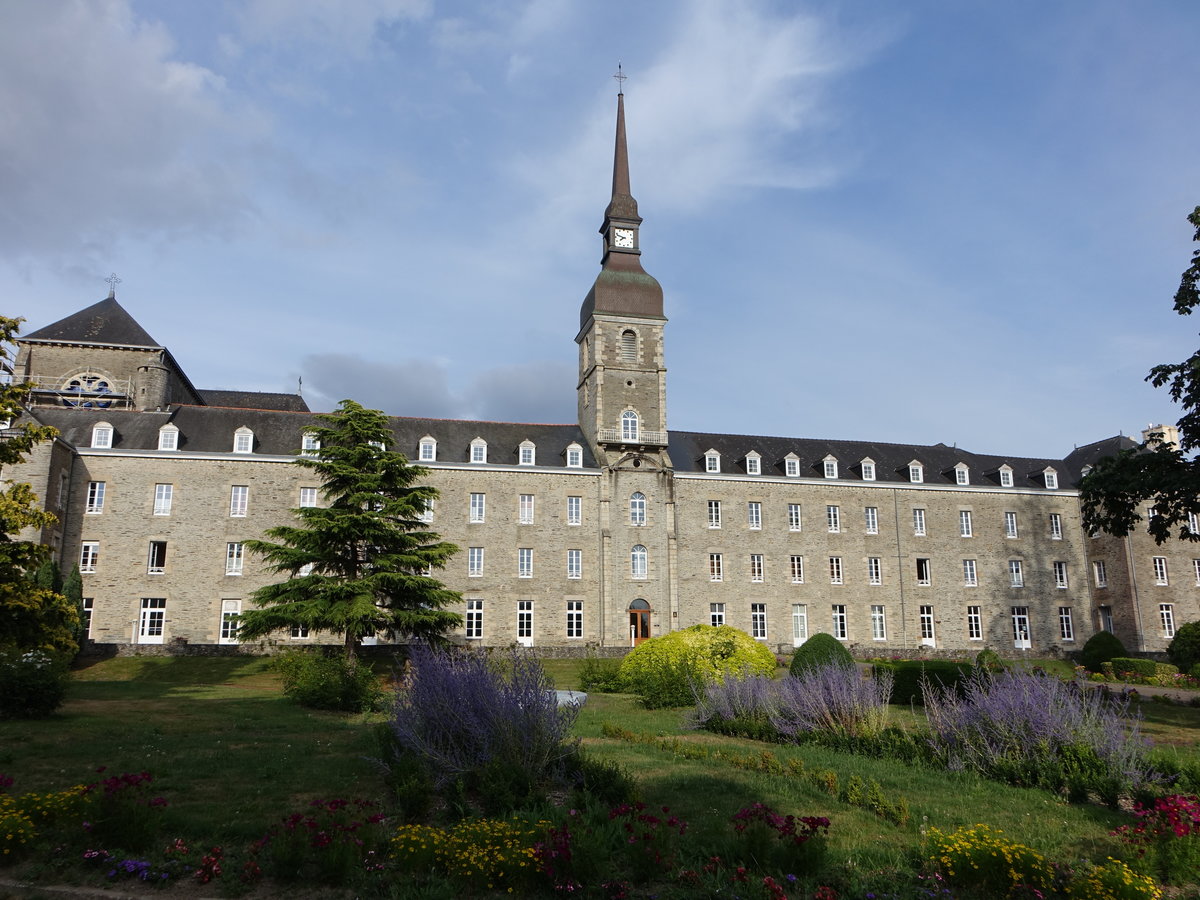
255, 400
105, 322
1089, 454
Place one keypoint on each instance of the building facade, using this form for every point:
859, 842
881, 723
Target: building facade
604, 532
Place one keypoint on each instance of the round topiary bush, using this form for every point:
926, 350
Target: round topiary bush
1184, 649
1100, 648
662, 670
989, 660
818, 651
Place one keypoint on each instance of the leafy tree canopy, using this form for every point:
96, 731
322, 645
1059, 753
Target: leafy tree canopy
367, 546
1113, 493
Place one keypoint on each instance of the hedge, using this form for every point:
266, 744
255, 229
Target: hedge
909, 673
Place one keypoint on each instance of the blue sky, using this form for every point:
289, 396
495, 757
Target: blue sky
920, 222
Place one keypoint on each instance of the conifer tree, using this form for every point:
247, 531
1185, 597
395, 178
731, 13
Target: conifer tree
357, 564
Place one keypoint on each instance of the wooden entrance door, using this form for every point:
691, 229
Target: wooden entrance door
639, 622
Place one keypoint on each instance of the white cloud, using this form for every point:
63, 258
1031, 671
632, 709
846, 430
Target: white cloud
348, 27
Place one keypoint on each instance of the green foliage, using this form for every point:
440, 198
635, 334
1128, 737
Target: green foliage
1101, 647
1145, 668
365, 550
600, 674
663, 670
982, 858
321, 681
989, 659
32, 684
818, 651
1184, 649
909, 673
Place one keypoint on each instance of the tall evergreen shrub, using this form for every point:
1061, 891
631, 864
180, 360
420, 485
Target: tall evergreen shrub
819, 651
1101, 647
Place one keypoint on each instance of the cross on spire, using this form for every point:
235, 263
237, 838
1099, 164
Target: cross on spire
621, 77
113, 281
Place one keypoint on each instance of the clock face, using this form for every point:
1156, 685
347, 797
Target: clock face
622, 237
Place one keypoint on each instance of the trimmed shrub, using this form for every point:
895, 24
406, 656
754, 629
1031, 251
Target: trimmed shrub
32, 684
1184, 649
332, 681
1099, 649
669, 670
909, 674
989, 660
819, 651
1144, 668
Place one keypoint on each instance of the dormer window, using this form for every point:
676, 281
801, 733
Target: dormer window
427, 449
168, 438
1085, 471
526, 453
830, 467
962, 474
916, 472
712, 462
1051, 478
791, 466
629, 425
574, 456
868, 469
753, 463
243, 441
309, 444
1006, 479
478, 451
102, 435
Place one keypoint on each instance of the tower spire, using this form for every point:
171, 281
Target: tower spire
622, 204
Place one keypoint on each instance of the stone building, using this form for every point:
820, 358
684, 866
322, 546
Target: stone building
604, 532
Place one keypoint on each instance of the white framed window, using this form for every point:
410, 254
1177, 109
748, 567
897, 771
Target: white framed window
89, 603
235, 556
637, 562
239, 500
1006, 476
574, 564
964, 523
637, 508
1055, 527
1051, 478
791, 466
868, 469
229, 621
89, 556
95, 498
243, 441
756, 567
299, 632
1166, 618
308, 496
916, 472
925, 619
758, 621
830, 467
1016, 575
1066, 627
714, 513
918, 522
574, 618
474, 619
712, 461
716, 614
970, 578
168, 438
474, 562
754, 515
874, 570
878, 623
427, 449
524, 562
1100, 573
102, 435
574, 510
152, 621
478, 451
924, 572
156, 558
716, 568
310, 444
1160, 570
753, 464
794, 520
1106, 619
629, 425
962, 475
164, 495
527, 454
833, 518
1060, 575
1010, 524
974, 624
796, 564
525, 510
525, 621
1193, 524
799, 623
1020, 627
477, 508
835, 570
574, 458
1196, 570
839, 621
871, 519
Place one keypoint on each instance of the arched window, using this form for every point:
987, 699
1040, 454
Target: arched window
637, 508
243, 440
168, 438
629, 425
637, 562
628, 346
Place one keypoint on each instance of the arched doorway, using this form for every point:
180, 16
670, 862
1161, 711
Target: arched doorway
639, 622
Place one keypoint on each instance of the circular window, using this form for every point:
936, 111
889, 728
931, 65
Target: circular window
87, 390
